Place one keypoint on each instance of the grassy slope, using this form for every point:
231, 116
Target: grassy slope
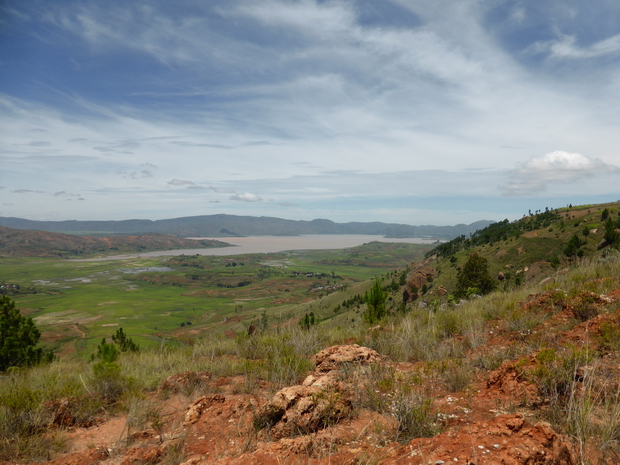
531, 251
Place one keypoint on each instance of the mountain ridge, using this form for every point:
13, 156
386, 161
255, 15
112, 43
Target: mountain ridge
223, 225
34, 243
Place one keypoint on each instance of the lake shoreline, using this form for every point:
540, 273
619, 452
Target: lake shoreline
271, 244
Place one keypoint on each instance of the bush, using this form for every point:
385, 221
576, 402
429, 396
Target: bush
609, 337
414, 415
457, 376
386, 392
23, 425
107, 378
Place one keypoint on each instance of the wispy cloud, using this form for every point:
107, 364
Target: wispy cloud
200, 144
143, 174
356, 108
65, 194
567, 48
180, 182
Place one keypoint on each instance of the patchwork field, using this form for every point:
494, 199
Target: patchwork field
171, 300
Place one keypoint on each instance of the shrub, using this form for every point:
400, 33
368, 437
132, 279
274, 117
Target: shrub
307, 321
107, 378
414, 415
457, 376
609, 337
23, 424
387, 392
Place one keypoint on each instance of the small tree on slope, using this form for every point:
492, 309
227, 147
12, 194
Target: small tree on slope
474, 274
375, 299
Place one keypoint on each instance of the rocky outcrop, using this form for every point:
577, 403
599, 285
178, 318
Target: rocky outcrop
201, 405
507, 439
301, 410
323, 398
333, 358
420, 277
509, 379
330, 361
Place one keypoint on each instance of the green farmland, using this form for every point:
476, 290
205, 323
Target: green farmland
174, 300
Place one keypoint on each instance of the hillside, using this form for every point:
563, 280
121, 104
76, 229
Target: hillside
21, 243
231, 225
528, 374
523, 251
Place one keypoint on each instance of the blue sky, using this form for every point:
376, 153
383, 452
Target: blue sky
416, 112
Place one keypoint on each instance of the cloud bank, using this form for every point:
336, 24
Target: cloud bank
400, 110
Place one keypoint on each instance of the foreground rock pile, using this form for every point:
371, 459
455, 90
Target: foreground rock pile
319, 421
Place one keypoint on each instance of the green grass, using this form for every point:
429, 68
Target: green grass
77, 303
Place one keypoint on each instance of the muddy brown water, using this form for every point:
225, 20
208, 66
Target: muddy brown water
271, 244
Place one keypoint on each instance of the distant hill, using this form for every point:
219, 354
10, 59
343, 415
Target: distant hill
231, 225
20, 243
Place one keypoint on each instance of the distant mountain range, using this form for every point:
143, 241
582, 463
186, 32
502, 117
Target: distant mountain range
231, 226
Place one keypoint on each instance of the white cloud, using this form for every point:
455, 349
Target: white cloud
246, 197
180, 182
538, 173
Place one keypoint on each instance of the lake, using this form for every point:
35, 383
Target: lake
271, 244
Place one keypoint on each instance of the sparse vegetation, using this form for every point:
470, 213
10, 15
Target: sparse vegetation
558, 332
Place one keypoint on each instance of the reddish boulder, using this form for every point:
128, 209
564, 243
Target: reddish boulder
301, 410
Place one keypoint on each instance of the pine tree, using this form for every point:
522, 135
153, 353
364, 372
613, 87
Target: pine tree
124, 343
572, 248
611, 236
307, 321
18, 338
375, 299
474, 274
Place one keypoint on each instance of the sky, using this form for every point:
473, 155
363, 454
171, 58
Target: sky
402, 111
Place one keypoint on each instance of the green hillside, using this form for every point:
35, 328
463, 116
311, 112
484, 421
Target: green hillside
527, 250
527, 373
